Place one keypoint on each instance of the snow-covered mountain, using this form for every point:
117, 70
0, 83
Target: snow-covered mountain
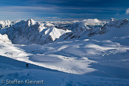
96, 54
5, 24
84, 29
114, 29
98, 30
30, 31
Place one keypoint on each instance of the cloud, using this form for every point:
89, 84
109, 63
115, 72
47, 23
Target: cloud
24, 12
23, 8
127, 11
60, 1
55, 19
14, 15
56, 11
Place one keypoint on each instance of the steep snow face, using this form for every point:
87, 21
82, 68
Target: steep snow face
55, 33
30, 31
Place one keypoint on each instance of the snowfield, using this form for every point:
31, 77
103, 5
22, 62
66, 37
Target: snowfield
93, 61
84, 62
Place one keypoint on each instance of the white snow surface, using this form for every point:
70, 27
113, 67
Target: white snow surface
84, 62
95, 61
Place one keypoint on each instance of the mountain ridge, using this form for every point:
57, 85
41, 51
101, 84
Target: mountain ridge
33, 32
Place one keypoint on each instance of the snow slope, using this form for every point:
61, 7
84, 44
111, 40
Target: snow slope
95, 61
51, 78
68, 56
11, 71
85, 62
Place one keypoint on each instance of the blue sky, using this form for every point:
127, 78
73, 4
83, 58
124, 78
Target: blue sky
63, 10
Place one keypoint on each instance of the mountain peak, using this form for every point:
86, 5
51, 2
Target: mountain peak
31, 22
112, 19
4, 24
